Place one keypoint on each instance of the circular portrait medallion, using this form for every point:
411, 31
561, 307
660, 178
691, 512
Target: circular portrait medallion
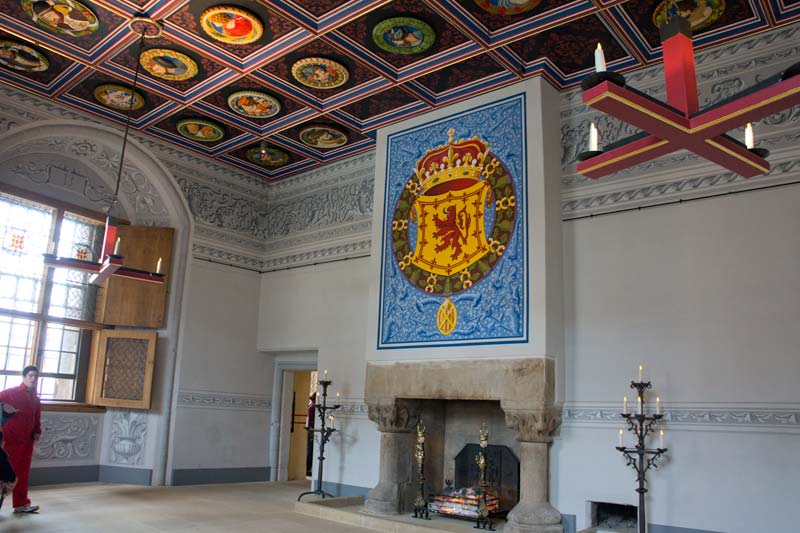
403, 35
231, 25
268, 157
507, 7
323, 137
66, 17
201, 130
254, 104
117, 97
22, 57
320, 73
168, 64
699, 13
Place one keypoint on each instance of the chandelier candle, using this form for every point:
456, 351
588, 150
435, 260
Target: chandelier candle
749, 141
593, 137
599, 59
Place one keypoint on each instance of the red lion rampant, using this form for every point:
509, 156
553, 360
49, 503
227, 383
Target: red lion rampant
452, 230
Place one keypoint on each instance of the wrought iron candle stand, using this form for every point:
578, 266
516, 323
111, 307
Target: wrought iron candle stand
484, 518
420, 503
640, 457
324, 436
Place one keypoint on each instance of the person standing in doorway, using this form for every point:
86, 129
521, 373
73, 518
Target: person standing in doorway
21, 431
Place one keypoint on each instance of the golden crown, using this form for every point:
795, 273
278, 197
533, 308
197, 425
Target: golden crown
449, 163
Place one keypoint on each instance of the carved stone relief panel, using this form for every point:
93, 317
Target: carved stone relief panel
128, 437
67, 437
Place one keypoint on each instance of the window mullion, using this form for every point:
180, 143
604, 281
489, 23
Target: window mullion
41, 337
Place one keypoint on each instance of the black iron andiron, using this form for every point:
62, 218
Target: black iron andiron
484, 519
325, 433
640, 457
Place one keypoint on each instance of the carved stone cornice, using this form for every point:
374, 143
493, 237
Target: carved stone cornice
396, 417
534, 425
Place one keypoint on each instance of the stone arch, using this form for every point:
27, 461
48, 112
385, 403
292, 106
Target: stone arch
79, 161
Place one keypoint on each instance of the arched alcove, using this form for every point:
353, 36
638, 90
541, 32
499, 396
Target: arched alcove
78, 162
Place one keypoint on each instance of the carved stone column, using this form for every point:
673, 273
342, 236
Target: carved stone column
533, 513
394, 492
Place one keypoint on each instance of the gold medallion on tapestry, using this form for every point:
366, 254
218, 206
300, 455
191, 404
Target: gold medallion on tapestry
447, 200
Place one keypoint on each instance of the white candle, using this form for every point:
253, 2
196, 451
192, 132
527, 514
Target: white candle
116, 246
599, 59
158, 266
624, 405
592, 137
620, 438
330, 418
658, 405
661, 439
639, 402
326, 376
748, 136
641, 372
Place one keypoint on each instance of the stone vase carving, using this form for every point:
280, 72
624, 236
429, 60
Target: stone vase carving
128, 435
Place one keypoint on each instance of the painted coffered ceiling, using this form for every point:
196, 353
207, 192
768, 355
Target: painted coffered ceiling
314, 79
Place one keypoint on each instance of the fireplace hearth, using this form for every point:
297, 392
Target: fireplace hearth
461, 499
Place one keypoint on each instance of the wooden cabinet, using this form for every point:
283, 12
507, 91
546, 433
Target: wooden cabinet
131, 302
121, 368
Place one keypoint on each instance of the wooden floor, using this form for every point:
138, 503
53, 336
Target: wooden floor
110, 508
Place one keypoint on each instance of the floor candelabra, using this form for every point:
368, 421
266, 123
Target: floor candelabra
325, 433
640, 457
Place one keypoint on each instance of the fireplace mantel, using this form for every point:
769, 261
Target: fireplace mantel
525, 388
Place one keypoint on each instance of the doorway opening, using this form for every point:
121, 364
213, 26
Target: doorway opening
301, 434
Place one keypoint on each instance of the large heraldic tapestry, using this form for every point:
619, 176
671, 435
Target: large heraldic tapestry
454, 263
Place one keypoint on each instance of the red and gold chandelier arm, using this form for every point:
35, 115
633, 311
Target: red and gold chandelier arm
677, 124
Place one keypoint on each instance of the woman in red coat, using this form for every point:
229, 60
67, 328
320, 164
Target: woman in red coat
21, 431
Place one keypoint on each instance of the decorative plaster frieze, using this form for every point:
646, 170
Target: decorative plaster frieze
355, 231
655, 190
67, 437
128, 437
223, 256
320, 255
361, 166
223, 400
749, 417
351, 408
225, 210
342, 204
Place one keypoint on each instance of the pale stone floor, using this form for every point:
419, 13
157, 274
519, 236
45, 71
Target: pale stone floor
110, 508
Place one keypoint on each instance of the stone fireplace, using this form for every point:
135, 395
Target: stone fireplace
515, 395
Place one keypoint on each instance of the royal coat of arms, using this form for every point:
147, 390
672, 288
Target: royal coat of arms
440, 224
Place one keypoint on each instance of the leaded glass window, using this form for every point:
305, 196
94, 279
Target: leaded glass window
51, 338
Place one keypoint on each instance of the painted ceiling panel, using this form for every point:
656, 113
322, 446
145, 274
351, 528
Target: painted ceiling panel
315, 78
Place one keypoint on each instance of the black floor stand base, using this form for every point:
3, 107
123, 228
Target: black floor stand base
321, 493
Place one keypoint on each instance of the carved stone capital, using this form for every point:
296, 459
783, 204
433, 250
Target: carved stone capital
534, 425
395, 417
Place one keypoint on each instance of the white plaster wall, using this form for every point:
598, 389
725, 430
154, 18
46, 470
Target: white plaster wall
323, 308
707, 296
224, 383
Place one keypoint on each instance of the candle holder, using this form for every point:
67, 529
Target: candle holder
421, 503
596, 78
588, 154
641, 458
325, 433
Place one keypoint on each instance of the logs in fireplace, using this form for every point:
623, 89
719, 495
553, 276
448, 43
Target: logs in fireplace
461, 498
